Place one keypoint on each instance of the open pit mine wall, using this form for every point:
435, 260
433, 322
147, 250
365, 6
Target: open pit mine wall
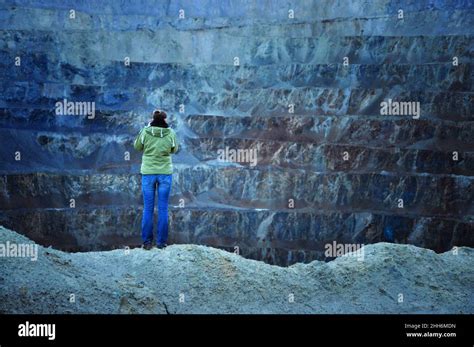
304, 92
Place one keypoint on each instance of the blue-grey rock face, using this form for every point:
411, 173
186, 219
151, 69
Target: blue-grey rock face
304, 93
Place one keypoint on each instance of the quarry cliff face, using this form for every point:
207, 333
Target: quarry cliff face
302, 93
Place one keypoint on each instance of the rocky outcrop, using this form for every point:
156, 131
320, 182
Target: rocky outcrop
331, 169
388, 278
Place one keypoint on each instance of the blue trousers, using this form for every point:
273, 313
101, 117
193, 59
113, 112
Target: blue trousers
149, 185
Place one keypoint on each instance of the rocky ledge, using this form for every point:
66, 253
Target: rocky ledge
383, 278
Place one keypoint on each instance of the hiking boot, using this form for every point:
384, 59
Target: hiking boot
146, 246
161, 246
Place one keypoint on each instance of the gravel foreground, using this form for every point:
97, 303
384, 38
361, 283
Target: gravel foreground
392, 278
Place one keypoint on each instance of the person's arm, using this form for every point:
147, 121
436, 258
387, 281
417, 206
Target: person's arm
139, 140
174, 145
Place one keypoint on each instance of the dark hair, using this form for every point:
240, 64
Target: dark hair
159, 115
159, 119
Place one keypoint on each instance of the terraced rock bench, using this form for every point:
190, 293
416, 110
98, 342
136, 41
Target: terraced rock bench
330, 167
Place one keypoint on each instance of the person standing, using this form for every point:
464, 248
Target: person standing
158, 142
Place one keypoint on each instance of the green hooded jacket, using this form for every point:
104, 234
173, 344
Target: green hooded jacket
157, 145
